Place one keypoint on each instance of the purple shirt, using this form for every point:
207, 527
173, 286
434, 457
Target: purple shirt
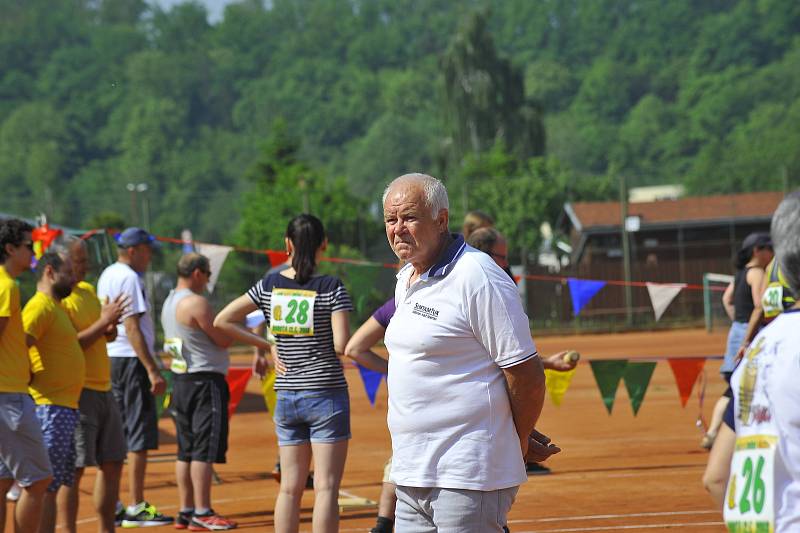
385, 313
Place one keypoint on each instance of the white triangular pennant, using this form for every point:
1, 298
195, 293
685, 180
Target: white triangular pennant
661, 295
216, 254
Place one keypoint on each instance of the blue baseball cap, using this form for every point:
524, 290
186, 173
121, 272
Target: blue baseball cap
134, 237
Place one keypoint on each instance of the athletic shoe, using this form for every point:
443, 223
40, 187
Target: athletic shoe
210, 522
183, 520
145, 515
535, 469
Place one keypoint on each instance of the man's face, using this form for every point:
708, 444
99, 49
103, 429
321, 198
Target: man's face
500, 253
22, 254
63, 280
414, 235
80, 261
140, 257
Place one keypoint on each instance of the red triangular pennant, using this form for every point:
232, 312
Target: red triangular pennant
277, 258
237, 383
686, 370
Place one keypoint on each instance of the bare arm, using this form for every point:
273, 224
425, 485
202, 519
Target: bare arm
525, 385
359, 347
340, 323
135, 337
231, 321
718, 468
3, 323
727, 301
196, 310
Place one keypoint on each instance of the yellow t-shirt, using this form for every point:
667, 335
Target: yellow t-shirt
57, 359
83, 307
15, 372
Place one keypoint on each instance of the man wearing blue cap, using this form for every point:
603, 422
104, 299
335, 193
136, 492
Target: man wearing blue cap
135, 375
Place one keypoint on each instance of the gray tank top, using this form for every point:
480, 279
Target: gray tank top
196, 348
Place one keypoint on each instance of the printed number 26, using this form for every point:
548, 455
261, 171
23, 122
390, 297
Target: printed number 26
301, 310
757, 484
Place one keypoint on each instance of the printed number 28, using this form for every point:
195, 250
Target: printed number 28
301, 309
757, 484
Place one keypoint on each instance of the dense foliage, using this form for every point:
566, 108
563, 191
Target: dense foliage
97, 94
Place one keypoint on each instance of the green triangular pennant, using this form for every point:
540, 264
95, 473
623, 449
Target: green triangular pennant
607, 375
637, 378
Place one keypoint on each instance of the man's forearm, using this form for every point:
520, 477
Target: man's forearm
525, 385
139, 346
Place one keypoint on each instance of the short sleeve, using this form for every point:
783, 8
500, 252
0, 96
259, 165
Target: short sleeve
498, 321
260, 296
385, 313
36, 318
7, 298
132, 286
340, 299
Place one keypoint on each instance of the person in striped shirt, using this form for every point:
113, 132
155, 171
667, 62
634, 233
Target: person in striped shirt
309, 316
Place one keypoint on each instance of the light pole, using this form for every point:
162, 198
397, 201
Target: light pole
142, 188
132, 189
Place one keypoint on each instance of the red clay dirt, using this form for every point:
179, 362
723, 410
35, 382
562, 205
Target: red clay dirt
616, 472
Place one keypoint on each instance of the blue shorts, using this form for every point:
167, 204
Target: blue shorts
320, 416
22, 453
58, 429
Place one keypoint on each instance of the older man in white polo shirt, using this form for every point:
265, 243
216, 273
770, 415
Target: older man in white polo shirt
466, 385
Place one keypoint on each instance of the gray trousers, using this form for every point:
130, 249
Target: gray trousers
432, 510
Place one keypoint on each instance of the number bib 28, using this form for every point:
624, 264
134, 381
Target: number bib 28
750, 497
292, 312
772, 300
174, 347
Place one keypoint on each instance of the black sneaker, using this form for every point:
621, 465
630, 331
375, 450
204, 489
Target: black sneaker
535, 469
145, 515
183, 519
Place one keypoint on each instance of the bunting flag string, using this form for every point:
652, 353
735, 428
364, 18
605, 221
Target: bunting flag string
268, 390
557, 384
607, 374
372, 380
216, 254
686, 371
661, 295
42, 238
277, 257
237, 379
582, 291
637, 379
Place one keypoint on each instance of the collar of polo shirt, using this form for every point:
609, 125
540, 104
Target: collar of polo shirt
446, 261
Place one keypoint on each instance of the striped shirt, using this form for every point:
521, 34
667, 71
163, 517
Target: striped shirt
311, 361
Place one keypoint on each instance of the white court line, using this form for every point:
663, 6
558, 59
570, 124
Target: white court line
617, 528
610, 516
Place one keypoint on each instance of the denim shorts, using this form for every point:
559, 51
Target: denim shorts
320, 416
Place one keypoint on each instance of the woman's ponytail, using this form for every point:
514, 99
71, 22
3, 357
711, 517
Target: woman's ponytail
307, 234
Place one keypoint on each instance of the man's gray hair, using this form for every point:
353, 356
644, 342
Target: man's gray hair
64, 243
785, 233
434, 191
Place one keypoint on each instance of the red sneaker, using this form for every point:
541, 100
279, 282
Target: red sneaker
211, 522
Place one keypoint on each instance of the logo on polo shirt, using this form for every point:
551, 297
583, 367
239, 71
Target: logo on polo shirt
427, 312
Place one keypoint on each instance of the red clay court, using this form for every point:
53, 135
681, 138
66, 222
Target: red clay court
616, 473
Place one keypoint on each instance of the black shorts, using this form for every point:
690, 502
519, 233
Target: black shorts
137, 405
200, 401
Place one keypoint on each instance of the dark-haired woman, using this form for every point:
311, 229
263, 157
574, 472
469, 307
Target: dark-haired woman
741, 296
308, 315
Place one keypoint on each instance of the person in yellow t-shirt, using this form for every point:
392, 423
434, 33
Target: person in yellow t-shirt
58, 369
23, 456
99, 436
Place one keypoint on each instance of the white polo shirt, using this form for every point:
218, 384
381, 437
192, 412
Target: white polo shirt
454, 330
117, 279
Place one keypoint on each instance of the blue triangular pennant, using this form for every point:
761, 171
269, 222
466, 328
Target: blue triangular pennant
372, 380
582, 291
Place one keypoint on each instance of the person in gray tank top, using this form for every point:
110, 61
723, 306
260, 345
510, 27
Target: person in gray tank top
200, 393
